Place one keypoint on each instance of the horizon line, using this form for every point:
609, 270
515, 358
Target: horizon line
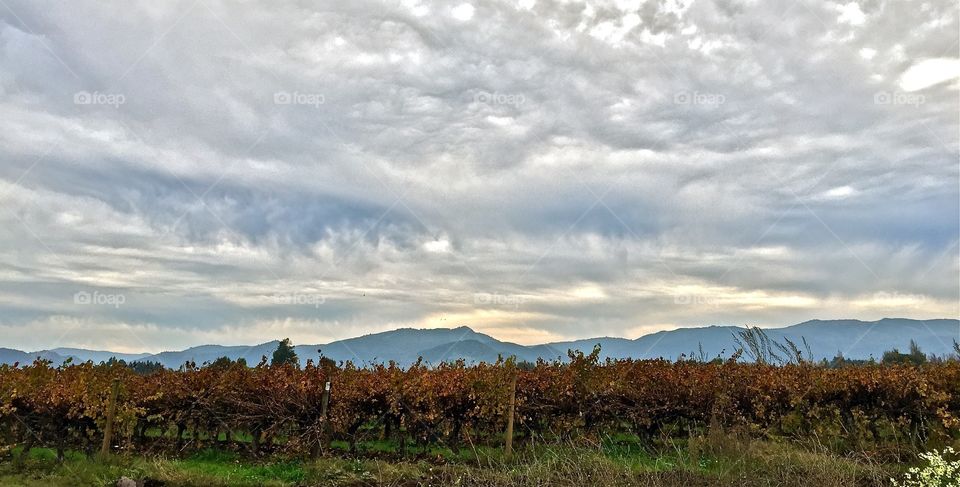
53, 349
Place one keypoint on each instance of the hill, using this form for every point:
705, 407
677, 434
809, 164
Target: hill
855, 339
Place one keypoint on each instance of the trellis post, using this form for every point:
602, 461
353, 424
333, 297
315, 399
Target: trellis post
511, 408
111, 413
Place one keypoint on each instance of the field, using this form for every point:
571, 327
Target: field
720, 461
621, 422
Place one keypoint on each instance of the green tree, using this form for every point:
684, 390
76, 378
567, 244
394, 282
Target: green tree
145, 367
221, 363
285, 354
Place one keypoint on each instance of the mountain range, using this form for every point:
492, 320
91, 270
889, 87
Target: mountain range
853, 339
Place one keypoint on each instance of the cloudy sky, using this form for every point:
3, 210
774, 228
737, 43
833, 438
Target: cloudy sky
185, 172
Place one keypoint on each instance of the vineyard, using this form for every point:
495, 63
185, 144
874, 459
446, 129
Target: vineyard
283, 409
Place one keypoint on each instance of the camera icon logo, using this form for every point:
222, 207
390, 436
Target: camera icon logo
282, 98
82, 297
882, 98
82, 98
483, 97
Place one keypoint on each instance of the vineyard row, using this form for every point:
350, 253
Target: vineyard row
284, 408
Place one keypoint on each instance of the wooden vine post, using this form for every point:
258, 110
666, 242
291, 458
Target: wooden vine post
325, 420
511, 409
111, 413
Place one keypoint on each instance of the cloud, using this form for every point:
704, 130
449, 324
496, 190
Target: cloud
462, 12
536, 170
929, 72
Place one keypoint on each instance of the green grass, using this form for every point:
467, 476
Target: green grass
230, 468
617, 461
208, 467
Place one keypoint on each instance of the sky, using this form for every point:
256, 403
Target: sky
187, 172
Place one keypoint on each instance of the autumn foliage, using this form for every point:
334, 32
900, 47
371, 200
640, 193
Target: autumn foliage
280, 407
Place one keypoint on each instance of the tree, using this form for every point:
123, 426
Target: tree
145, 367
915, 357
325, 363
221, 363
285, 354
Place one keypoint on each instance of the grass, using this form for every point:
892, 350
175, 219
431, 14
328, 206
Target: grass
700, 462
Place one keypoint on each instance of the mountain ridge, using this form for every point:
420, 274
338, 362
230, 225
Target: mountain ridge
855, 339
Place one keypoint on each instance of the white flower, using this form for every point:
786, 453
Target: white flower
940, 471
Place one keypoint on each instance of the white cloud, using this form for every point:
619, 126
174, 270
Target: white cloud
850, 13
526, 4
437, 246
840, 192
462, 12
929, 72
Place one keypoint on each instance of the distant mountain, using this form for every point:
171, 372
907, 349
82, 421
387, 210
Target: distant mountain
863, 339
81, 355
403, 345
209, 353
11, 356
853, 338
470, 350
